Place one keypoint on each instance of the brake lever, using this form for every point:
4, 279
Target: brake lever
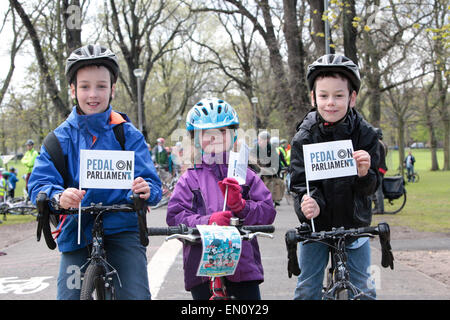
187, 237
250, 236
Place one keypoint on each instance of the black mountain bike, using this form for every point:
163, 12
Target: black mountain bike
338, 285
192, 236
97, 280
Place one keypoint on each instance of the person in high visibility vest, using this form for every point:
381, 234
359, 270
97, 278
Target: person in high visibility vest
3, 186
28, 160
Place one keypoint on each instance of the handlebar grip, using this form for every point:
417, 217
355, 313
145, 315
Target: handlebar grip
373, 230
167, 231
261, 228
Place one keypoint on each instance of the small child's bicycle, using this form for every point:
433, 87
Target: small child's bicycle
192, 236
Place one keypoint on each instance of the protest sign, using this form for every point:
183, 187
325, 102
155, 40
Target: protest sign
221, 250
106, 169
329, 160
237, 164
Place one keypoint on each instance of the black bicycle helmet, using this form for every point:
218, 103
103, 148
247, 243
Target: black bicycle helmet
92, 54
334, 63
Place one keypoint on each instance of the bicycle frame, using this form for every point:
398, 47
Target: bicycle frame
98, 257
99, 271
338, 275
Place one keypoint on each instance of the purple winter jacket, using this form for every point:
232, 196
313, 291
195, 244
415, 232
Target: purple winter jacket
197, 195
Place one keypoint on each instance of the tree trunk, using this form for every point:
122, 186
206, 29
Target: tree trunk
350, 32
316, 13
296, 58
72, 21
52, 89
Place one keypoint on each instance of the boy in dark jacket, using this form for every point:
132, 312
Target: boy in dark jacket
334, 82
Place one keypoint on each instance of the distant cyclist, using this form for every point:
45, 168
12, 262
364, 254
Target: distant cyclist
198, 199
92, 73
334, 82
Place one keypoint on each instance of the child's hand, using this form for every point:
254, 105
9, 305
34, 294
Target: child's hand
234, 196
362, 159
71, 198
221, 218
310, 208
141, 187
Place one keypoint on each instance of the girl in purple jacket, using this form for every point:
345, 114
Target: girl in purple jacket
199, 196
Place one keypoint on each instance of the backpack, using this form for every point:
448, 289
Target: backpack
55, 151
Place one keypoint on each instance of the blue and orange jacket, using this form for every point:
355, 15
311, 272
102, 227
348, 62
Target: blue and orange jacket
93, 132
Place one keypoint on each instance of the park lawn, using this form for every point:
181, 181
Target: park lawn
428, 203
15, 219
20, 171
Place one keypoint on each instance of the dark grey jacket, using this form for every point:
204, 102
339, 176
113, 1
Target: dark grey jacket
343, 201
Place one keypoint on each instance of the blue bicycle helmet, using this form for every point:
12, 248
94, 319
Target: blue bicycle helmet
211, 113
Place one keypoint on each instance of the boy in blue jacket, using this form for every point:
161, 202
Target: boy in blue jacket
92, 73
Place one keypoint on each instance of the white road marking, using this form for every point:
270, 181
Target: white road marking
159, 265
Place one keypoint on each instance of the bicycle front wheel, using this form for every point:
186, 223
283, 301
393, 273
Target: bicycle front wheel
23, 210
93, 286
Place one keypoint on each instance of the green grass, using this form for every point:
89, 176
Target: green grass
20, 171
16, 219
428, 203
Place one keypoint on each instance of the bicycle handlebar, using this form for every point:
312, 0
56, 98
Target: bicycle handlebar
42, 203
192, 234
304, 234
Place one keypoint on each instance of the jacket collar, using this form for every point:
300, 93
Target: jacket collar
95, 123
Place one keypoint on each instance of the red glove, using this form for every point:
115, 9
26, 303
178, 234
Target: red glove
221, 218
234, 196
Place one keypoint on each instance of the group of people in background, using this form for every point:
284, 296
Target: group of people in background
8, 177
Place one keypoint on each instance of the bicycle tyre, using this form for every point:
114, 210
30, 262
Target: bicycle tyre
93, 286
23, 210
390, 206
342, 294
416, 177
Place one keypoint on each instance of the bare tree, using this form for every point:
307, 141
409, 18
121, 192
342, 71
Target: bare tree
292, 96
438, 32
16, 43
144, 32
51, 86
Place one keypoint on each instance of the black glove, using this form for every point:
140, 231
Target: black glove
387, 258
291, 246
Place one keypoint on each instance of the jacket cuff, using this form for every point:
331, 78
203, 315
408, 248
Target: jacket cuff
242, 210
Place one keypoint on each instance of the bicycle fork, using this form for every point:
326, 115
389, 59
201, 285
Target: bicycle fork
217, 288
